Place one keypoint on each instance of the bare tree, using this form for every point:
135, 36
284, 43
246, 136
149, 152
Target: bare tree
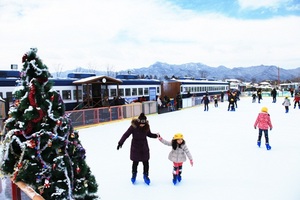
92, 67
58, 68
110, 70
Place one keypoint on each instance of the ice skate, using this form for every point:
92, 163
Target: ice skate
146, 179
133, 178
268, 147
258, 143
175, 179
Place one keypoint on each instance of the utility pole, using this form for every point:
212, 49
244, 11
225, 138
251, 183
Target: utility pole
278, 81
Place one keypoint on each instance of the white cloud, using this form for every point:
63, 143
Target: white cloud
137, 33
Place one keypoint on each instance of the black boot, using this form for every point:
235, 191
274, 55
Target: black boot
179, 174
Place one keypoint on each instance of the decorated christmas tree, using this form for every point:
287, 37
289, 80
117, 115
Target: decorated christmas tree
41, 148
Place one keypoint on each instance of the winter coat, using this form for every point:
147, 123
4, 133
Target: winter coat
205, 99
263, 121
286, 102
179, 154
274, 93
297, 98
231, 99
139, 150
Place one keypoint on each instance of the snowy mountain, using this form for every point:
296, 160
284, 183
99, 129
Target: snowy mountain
199, 70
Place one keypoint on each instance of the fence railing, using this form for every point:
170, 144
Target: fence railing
105, 114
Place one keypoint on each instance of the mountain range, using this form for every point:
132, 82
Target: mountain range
161, 70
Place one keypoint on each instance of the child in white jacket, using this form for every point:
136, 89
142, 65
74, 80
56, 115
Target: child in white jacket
286, 103
177, 155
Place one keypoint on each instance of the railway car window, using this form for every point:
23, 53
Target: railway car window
157, 90
134, 91
185, 89
140, 90
9, 96
146, 91
127, 92
79, 94
121, 92
113, 92
1, 95
66, 94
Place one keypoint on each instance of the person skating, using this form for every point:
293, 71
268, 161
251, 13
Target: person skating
231, 102
274, 95
297, 100
253, 98
216, 100
205, 100
139, 150
177, 155
286, 103
263, 122
222, 96
259, 94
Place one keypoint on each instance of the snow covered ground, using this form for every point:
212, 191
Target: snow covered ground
228, 165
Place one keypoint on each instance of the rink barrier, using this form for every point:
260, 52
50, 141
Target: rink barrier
267, 94
106, 114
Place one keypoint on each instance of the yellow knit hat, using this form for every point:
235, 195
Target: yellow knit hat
264, 109
178, 136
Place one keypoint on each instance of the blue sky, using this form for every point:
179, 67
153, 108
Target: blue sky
125, 34
243, 9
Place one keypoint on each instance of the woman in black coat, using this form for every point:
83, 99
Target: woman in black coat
139, 150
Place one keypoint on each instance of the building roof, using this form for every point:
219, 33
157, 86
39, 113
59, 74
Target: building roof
98, 79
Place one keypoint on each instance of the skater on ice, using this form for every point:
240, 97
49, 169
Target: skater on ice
231, 104
205, 100
263, 122
253, 98
177, 155
274, 95
297, 100
259, 94
216, 100
139, 150
286, 103
222, 96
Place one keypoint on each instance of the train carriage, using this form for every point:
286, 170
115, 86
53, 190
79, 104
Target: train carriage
188, 88
133, 89
130, 88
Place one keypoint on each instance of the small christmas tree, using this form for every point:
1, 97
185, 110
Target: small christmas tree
41, 148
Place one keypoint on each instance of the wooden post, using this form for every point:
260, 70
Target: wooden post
16, 192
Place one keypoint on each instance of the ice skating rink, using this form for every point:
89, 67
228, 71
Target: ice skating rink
228, 165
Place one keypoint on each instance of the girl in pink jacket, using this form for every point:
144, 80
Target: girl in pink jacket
263, 122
